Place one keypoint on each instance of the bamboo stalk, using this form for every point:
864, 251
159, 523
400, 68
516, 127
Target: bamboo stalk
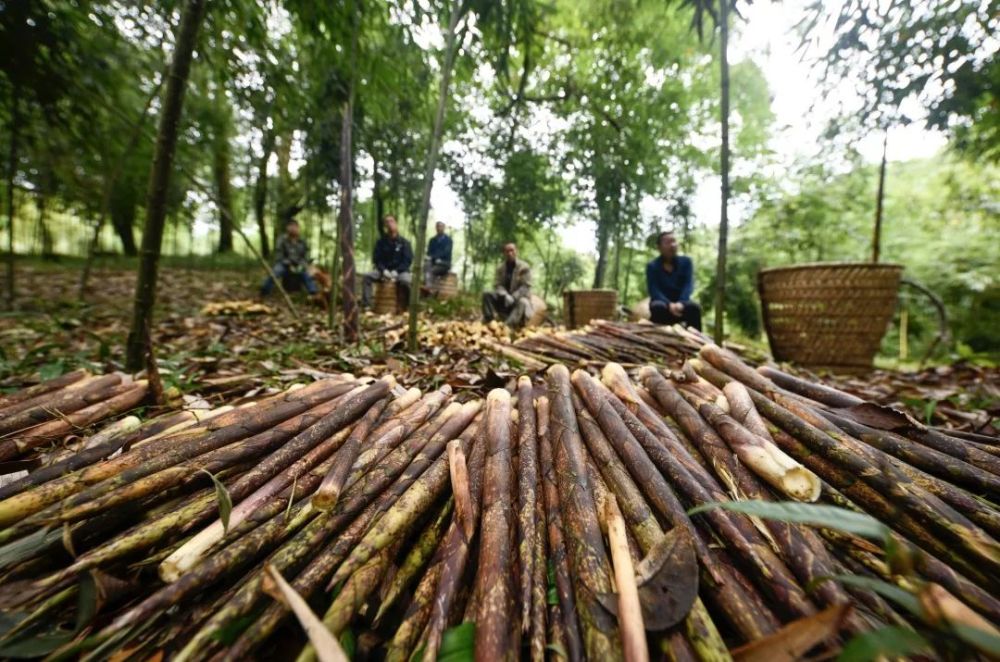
558, 555
453, 554
329, 491
527, 480
44, 388
742, 606
168, 451
404, 513
588, 559
494, 579
629, 613
73, 397
130, 397
417, 558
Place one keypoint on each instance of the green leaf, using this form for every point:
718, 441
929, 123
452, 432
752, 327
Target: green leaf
985, 641
26, 547
888, 643
814, 514
458, 643
929, 409
224, 500
349, 643
558, 650
888, 591
51, 370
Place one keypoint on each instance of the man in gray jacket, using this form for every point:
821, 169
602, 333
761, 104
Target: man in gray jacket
510, 299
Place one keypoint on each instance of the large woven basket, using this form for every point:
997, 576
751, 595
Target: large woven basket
828, 315
581, 306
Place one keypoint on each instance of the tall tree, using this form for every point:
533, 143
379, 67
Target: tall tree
221, 158
450, 40
260, 190
159, 181
345, 218
12, 158
720, 265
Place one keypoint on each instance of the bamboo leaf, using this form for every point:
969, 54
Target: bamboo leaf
28, 546
223, 499
885, 589
558, 650
813, 514
984, 641
889, 642
458, 643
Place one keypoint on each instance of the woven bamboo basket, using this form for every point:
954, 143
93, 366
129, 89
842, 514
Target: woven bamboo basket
828, 315
386, 298
581, 306
445, 287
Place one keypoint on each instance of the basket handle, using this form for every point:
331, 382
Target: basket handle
944, 332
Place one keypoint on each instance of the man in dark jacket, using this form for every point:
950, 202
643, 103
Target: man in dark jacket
438, 254
510, 299
393, 259
291, 256
670, 281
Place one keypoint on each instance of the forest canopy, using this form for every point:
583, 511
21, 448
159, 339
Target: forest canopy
562, 120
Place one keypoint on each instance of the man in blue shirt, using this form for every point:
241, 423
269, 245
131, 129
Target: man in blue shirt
670, 281
393, 259
438, 254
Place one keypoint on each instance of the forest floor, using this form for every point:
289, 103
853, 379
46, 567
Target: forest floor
211, 335
214, 341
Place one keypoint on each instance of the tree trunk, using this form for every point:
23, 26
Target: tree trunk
720, 266
432, 155
221, 170
346, 225
159, 180
377, 195
284, 152
15, 130
348, 296
123, 221
43, 228
603, 237
877, 234
260, 191
110, 181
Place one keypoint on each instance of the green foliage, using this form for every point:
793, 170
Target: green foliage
940, 222
813, 514
222, 498
916, 61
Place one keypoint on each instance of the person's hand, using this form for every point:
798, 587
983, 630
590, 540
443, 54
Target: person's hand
676, 308
393, 275
508, 299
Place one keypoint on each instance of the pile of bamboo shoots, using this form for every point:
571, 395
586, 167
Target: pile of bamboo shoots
553, 515
628, 343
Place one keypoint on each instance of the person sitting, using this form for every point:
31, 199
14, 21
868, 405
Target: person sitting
291, 258
438, 255
510, 299
670, 281
393, 258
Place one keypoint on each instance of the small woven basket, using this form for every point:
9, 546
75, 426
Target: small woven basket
581, 306
828, 315
446, 286
386, 298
